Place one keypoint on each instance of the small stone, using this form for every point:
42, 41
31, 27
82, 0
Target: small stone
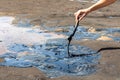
105, 38
36, 26
92, 30
59, 30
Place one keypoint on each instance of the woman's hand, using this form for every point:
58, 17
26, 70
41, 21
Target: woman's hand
80, 14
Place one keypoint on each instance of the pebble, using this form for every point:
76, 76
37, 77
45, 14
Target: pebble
105, 38
92, 30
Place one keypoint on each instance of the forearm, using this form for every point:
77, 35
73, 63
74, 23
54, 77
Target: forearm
80, 14
100, 4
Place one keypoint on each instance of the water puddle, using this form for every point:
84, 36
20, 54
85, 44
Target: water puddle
52, 59
47, 51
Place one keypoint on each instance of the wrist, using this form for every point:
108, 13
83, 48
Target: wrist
89, 9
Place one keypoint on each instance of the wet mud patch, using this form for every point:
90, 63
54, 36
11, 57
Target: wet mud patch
46, 48
53, 59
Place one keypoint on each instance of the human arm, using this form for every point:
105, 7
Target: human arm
80, 14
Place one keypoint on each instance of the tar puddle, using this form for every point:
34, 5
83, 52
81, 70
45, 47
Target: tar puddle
47, 51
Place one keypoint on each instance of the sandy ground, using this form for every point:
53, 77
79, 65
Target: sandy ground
60, 13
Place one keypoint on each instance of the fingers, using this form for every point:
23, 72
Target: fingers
82, 16
76, 16
79, 15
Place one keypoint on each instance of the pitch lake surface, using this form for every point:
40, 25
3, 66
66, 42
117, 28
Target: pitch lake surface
46, 49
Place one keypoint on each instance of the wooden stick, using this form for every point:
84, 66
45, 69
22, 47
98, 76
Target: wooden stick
71, 36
